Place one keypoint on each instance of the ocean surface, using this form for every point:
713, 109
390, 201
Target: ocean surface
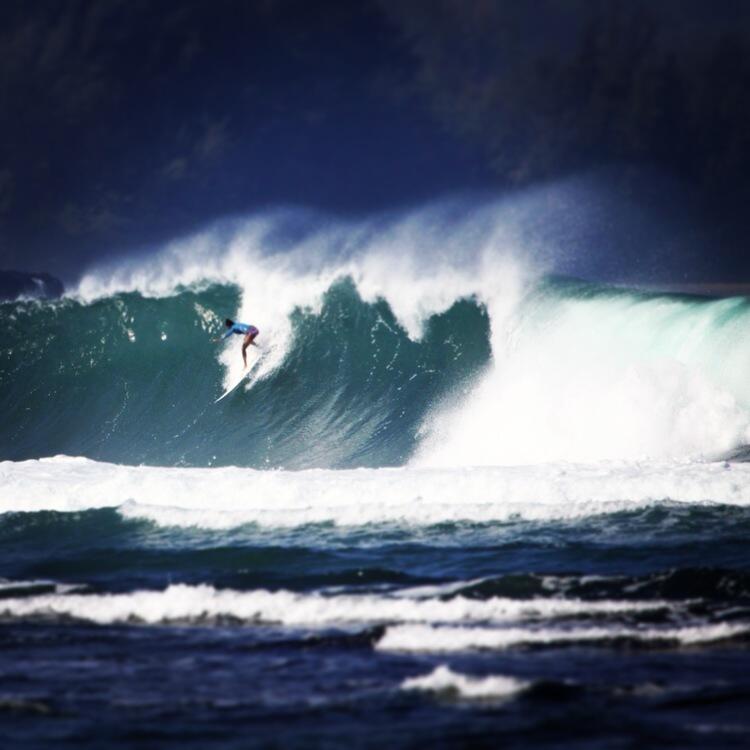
460, 501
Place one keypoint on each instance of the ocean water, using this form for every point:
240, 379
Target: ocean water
460, 501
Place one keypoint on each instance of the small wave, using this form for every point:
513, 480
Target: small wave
444, 680
204, 603
444, 639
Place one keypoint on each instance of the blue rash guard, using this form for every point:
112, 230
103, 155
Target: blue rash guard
241, 328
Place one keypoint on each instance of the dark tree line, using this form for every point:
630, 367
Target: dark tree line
573, 84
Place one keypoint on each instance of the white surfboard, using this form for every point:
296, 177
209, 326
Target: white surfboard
245, 373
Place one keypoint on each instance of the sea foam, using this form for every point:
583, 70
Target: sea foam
429, 638
220, 498
444, 680
186, 603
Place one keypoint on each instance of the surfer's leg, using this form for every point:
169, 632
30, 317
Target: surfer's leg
249, 339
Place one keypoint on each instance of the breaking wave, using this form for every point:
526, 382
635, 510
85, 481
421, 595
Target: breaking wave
418, 340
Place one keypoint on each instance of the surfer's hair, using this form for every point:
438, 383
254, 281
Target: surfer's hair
229, 322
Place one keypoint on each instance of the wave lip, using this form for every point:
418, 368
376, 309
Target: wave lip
221, 498
9, 589
444, 680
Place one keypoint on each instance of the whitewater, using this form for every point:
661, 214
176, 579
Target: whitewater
221, 498
460, 481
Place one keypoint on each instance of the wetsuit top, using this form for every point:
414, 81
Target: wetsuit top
242, 328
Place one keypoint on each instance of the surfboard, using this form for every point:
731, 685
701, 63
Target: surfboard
240, 380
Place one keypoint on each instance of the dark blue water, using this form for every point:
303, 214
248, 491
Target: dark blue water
217, 681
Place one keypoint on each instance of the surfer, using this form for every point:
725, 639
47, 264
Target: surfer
243, 329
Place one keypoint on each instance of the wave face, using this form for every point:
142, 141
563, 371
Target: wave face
130, 379
569, 372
